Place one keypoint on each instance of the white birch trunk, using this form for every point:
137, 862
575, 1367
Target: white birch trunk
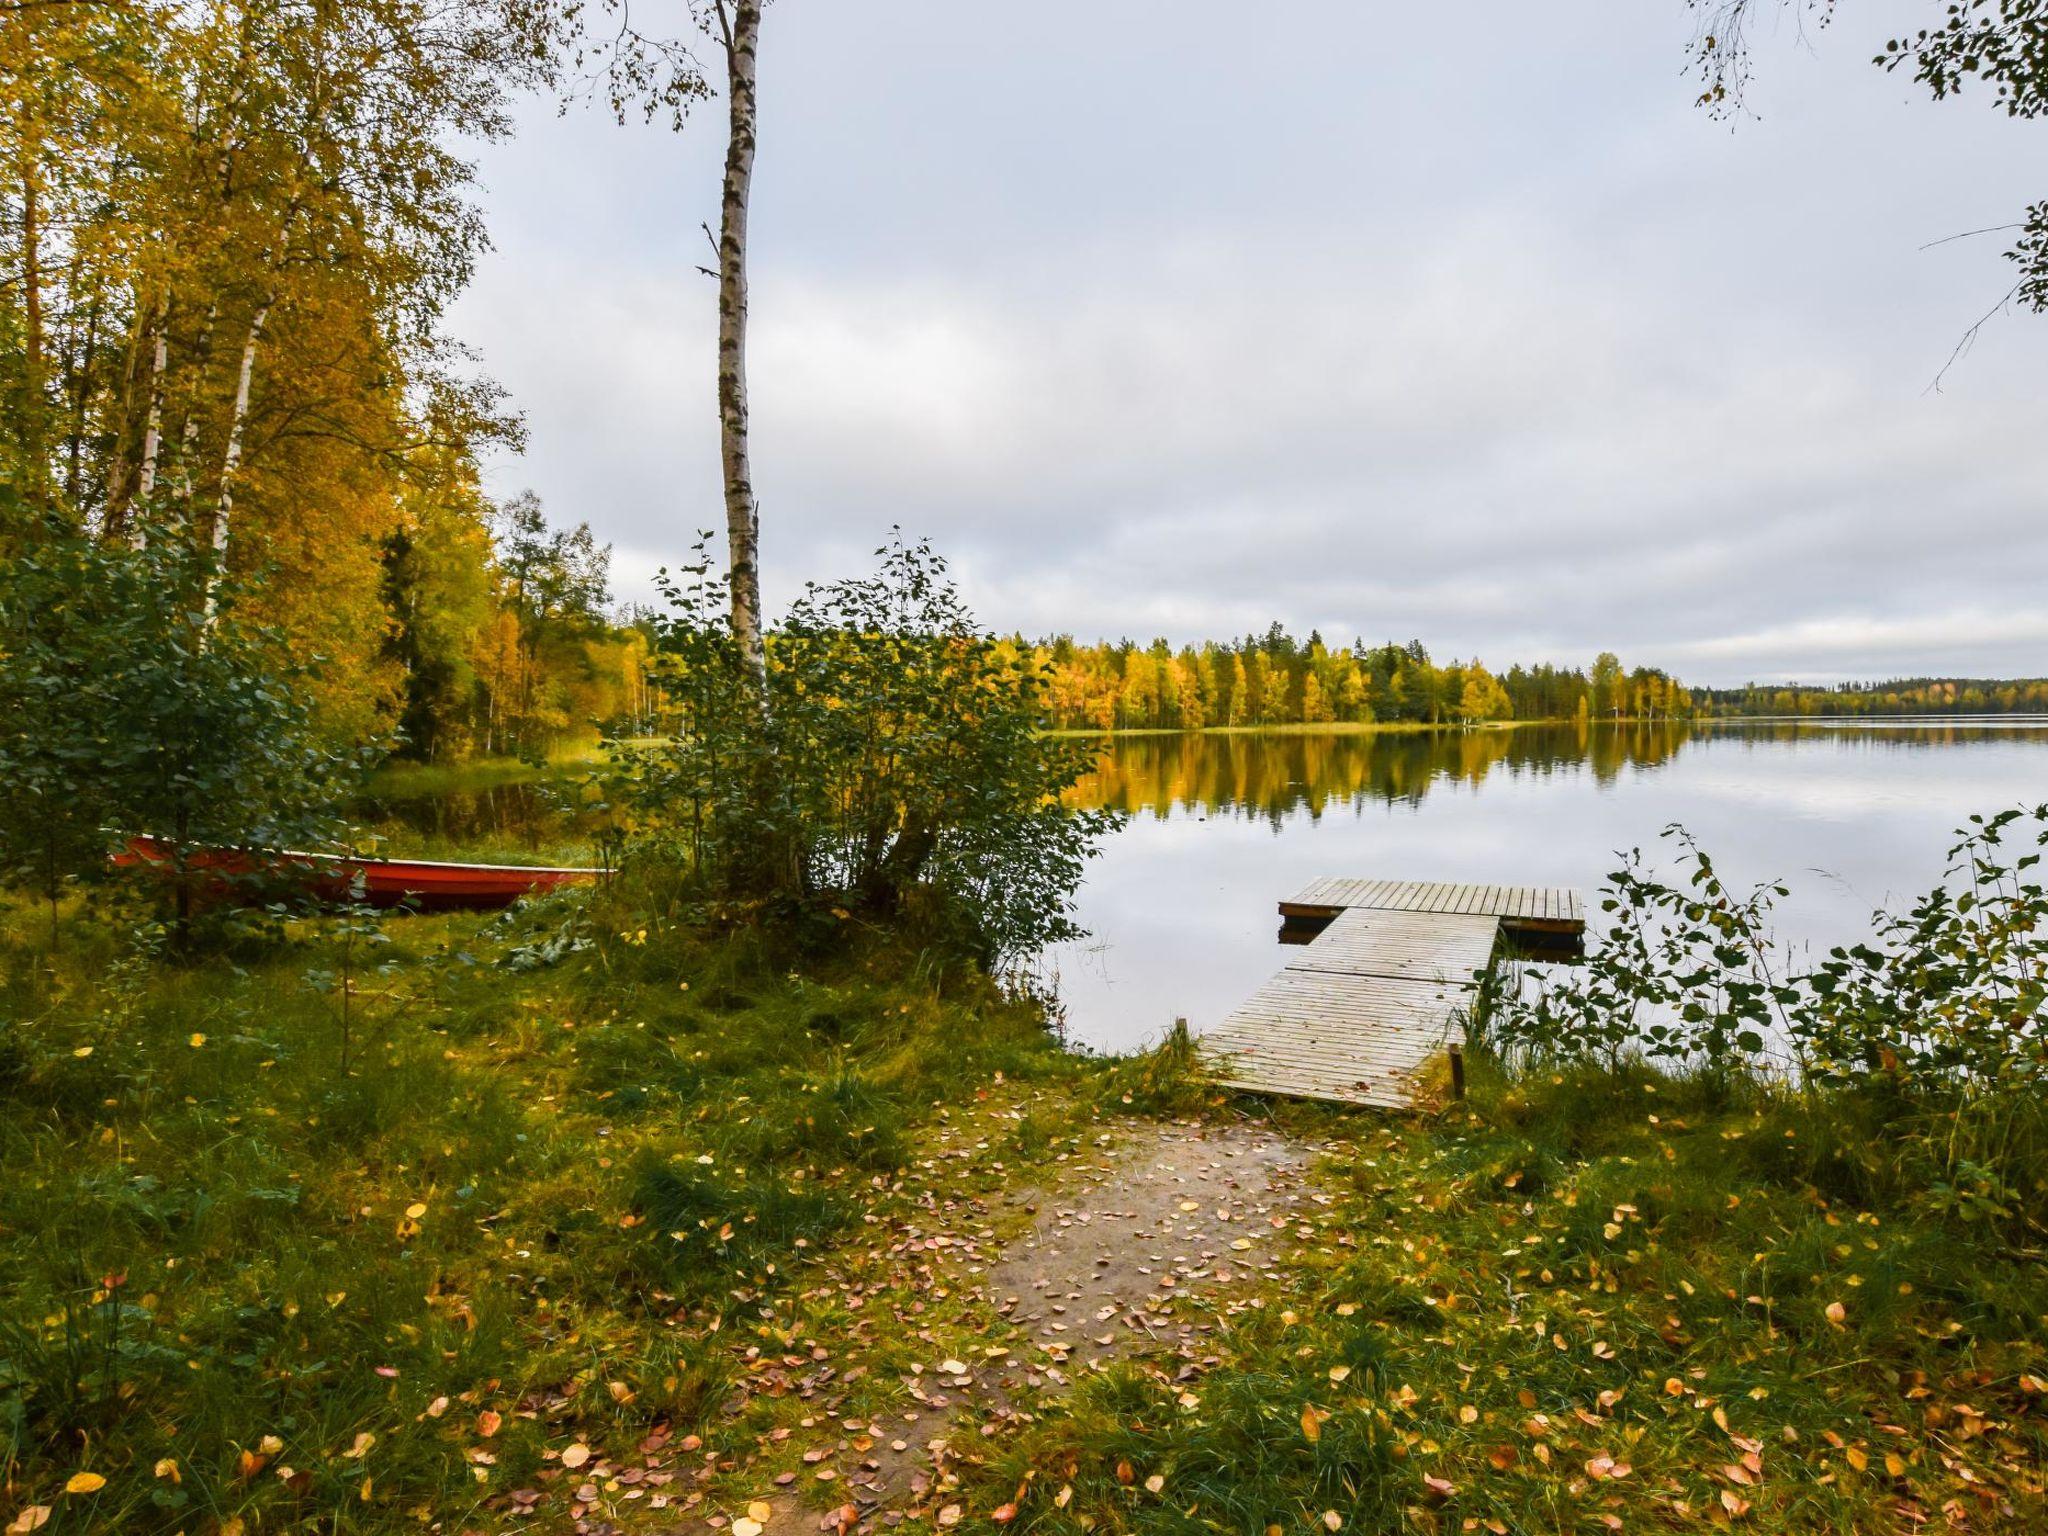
741, 25
231, 458
153, 427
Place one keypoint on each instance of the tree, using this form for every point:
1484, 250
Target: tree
1482, 698
1607, 685
901, 766
2003, 43
739, 33
132, 715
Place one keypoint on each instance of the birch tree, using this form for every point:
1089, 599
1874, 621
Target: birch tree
739, 34
660, 75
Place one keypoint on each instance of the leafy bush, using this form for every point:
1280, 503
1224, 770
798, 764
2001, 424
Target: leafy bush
132, 709
896, 767
1948, 996
1932, 1029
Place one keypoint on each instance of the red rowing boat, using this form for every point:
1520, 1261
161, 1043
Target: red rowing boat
422, 885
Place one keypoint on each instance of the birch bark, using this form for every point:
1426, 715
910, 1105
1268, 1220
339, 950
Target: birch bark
231, 457
740, 31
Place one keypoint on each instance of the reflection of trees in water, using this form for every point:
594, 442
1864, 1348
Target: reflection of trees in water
1270, 776
524, 813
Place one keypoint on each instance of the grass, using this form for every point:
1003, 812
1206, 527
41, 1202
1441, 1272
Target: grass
249, 1290
1586, 1302
621, 1208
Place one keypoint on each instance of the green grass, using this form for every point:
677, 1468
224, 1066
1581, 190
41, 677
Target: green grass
1583, 1303
240, 1284
600, 1182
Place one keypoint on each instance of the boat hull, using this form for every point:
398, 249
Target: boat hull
413, 885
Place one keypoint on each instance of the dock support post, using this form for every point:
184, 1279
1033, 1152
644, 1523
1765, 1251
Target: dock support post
1457, 1072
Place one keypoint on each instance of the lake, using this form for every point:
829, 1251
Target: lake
1181, 903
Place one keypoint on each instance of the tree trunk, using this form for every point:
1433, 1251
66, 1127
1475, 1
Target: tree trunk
188, 434
34, 448
740, 23
115, 516
231, 459
153, 425
81, 385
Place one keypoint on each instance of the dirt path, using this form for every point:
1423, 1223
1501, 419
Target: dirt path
1173, 1212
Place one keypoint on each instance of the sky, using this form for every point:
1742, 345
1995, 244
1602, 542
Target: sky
1177, 317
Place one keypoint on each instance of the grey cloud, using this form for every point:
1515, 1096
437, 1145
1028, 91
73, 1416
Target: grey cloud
1524, 374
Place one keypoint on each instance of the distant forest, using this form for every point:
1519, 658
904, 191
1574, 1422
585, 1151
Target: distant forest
1274, 679
1899, 696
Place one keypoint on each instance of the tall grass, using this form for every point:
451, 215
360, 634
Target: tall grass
241, 1279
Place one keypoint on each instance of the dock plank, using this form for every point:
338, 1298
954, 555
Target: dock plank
1360, 1012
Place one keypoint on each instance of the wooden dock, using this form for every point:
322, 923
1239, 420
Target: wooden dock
1387, 973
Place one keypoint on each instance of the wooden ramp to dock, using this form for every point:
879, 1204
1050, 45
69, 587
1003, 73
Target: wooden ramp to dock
1378, 991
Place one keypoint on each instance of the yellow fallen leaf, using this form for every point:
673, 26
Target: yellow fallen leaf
1837, 1313
85, 1482
746, 1527
1339, 1372
169, 1468
761, 1510
575, 1455
197, 1040
415, 1211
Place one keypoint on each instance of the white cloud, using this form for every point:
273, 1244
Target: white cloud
1524, 377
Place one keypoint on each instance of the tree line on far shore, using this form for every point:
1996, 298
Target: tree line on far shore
1274, 679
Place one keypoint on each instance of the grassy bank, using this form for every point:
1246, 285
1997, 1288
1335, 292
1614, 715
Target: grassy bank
268, 1264
1585, 1302
570, 1221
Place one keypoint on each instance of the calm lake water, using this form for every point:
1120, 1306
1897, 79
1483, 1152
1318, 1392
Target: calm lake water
1181, 902
1180, 905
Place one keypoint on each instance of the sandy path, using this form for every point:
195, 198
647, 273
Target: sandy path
1175, 1211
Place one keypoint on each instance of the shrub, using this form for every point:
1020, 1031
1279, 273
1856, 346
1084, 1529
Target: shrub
1930, 1029
132, 708
896, 767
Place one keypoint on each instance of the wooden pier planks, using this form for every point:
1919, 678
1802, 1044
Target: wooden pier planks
1359, 1013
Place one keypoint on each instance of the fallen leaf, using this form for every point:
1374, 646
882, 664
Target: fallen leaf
575, 1455
85, 1482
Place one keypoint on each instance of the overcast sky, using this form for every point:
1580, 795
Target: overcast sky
1397, 322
